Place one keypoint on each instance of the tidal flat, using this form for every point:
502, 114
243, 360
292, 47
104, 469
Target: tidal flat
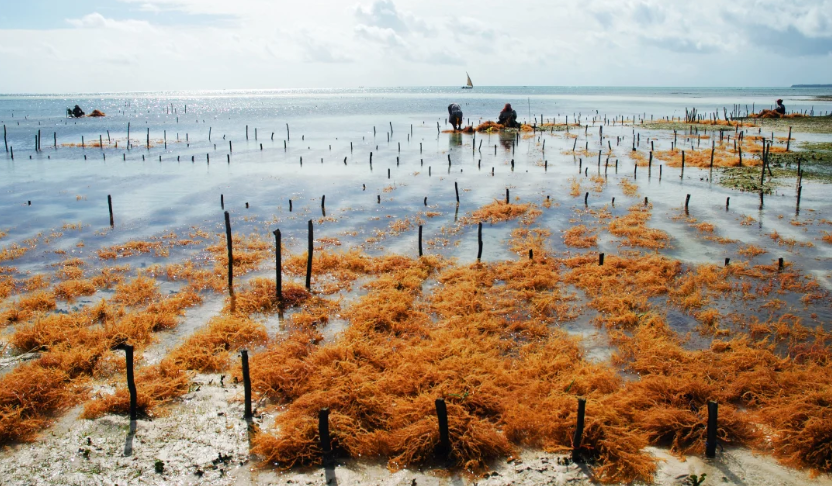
590, 256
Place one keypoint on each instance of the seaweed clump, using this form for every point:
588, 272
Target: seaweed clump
506, 380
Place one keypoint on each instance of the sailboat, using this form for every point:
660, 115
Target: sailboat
469, 84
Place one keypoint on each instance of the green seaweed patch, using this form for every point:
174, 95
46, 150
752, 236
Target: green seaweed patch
683, 127
809, 124
816, 146
748, 178
815, 163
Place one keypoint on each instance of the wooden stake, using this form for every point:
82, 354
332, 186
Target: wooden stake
110, 207
479, 242
444, 447
711, 442
309, 258
229, 245
420, 240
131, 383
323, 434
278, 261
579, 430
763, 167
246, 385
456, 188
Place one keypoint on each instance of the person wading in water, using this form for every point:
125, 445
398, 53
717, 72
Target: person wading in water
455, 116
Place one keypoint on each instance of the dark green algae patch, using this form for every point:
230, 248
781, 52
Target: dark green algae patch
814, 159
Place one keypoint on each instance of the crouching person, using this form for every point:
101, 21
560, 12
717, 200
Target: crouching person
455, 116
508, 117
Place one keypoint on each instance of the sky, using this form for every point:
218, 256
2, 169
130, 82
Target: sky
59, 46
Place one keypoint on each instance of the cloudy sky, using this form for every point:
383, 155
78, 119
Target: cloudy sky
140, 45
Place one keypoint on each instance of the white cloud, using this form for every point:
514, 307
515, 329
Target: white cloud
381, 35
426, 42
97, 21
382, 14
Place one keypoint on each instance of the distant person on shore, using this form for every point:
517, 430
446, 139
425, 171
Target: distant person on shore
455, 116
780, 108
508, 117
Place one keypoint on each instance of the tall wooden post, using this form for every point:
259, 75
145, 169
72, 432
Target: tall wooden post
309, 258
246, 385
230, 253
278, 266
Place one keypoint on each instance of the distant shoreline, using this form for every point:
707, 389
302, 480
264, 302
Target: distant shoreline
812, 86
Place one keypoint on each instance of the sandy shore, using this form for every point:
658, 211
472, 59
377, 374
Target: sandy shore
203, 440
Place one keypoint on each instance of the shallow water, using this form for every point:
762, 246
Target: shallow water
409, 162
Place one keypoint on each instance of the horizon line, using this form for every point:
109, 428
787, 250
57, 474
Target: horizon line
238, 90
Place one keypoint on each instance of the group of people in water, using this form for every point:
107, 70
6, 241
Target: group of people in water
507, 117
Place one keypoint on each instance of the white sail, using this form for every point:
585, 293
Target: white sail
469, 84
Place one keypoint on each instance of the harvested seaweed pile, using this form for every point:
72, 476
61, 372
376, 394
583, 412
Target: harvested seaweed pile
774, 114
